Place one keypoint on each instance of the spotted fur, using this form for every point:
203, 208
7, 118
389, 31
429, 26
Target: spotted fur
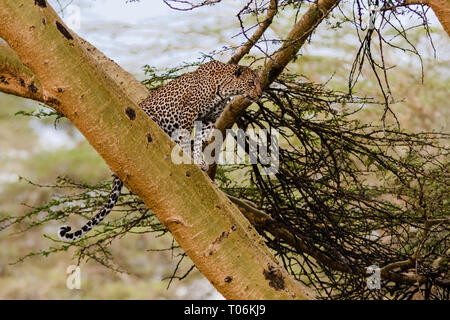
200, 95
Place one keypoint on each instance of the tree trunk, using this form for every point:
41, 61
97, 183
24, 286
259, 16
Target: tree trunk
210, 229
442, 10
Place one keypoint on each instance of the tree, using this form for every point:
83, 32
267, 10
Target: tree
317, 213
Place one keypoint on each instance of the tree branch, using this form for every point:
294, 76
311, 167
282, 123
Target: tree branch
414, 2
295, 40
243, 50
442, 10
16, 78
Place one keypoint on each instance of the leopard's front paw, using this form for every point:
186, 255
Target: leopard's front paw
203, 165
200, 162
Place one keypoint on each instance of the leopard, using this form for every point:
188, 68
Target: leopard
200, 95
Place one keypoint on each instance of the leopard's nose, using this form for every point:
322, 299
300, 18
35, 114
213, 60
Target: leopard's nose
253, 97
258, 91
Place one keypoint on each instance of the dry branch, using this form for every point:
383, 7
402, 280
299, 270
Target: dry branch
271, 12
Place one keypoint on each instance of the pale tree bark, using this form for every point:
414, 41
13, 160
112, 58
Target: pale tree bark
79, 84
442, 10
16, 78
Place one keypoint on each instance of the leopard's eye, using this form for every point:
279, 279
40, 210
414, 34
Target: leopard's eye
251, 83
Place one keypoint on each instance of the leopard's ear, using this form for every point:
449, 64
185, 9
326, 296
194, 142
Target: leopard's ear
258, 73
239, 71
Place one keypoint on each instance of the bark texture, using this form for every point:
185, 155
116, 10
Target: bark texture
442, 10
16, 78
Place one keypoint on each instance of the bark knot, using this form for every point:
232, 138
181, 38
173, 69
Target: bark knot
130, 113
212, 248
40, 3
63, 31
32, 87
275, 277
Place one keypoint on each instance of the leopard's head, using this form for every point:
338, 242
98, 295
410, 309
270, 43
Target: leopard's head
241, 80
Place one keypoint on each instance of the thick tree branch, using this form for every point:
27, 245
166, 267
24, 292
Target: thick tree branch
16, 78
442, 10
135, 90
412, 2
211, 230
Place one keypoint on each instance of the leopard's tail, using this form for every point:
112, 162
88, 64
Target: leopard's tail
116, 189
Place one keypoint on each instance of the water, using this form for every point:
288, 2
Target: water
148, 32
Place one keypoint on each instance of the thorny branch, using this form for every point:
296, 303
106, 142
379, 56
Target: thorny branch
334, 207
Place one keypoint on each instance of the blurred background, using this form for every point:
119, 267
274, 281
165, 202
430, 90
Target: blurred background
149, 33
